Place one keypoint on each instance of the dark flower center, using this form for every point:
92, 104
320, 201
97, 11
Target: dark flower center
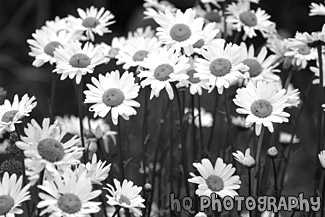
140, 55
113, 52
198, 44
255, 68
69, 203
6, 203
50, 47
79, 60
213, 16
261, 108
113, 97
9, 116
124, 199
304, 50
248, 18
50, 150
191, 78
180, 32
214, 183
220, 67
163, 71
90, 22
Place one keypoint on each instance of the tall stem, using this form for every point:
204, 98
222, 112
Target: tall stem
195, 147
121, 149
52, 103
258, 159
214, 119
231, 133
200, 122
275, 184
323, 197
144, 133
250, 187
184, 148
80, 110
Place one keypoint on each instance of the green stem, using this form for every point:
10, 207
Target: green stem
52, 106
214, 120
200, 122
121, 149
250, 187
323, 196
116, 211
195, 147
275, 184
258, 159
144, 134
80, 110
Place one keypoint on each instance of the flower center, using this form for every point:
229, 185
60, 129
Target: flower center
50, 47
198, 44
90, 22
220, 67
140, 55
180, 32
79, 60
9, 116
213, 16
69, 203
248, 18
191, 78
113, 97
255, 68
50, 150
304, 50
125, 200
6, 203
113, 52
261, 108
214, 183
163, 71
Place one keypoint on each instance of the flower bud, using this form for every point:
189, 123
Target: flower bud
272, 152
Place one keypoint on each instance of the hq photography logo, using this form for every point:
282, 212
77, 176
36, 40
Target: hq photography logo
239, 203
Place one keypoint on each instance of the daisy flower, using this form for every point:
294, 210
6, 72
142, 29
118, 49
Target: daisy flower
306, 39
111, 51
260, 66
12, 113
161, 67
113, 93
317, 9
45, 147
12, 195
221, 65
316, 71
145, 32
242, 17
94, 21
135, 50
245, 159
45, 41
95, 170
126, 195
68, 196
195, 84
213, 2
74, 61
321, 157
181, 30
153, 7
263, 104
239, 122
217, 179
301, 55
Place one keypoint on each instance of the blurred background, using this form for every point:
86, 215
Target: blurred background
20, 18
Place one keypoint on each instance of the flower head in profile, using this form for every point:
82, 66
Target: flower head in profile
285, 138
245, 159
12, 113
217, 179
321, 157
160, 68
263, 103
206, 117
45, 41
12, 195
45, 148
261, 66
94, 21
311, 40
181, 30
75, 61
243, 18
153, 7
96, 170
135, 50
316, 71
112, 93
68, 195
126, 195
221, 65
317, 9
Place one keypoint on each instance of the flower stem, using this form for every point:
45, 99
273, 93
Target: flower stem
275, 184
184, 149
52, 103
250, 187
195, 147
200, 122
144, 133
323, 196
121, 149
116, 211
214, 120
258, 159
231, 133
80, 110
